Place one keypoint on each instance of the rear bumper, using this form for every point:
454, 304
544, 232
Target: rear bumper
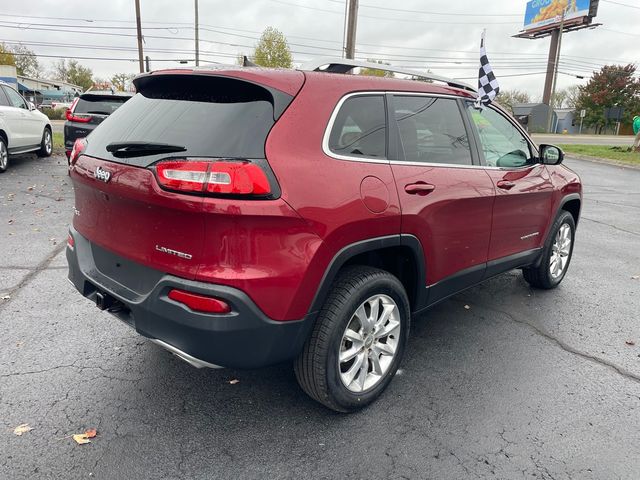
245, 338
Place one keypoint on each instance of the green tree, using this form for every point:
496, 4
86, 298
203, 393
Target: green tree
273, 50
613, 85
6, 57
375, 72
121, 80
509, 98
26, 62
73, 72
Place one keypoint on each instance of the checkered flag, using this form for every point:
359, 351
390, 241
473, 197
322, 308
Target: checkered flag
488, 87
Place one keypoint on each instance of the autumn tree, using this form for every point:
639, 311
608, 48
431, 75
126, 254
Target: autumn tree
73, 72
6, 57
26, 61
613, 85
273, 50
121, 80
375, 72
509, 98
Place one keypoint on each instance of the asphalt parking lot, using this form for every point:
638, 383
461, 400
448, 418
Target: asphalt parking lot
523, 384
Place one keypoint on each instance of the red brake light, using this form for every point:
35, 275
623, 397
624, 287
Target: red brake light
218, 177
74, 118
78, 147
199, 303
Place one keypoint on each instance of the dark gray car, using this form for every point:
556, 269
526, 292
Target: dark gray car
88, 111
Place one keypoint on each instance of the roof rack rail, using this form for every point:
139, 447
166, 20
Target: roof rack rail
344, 65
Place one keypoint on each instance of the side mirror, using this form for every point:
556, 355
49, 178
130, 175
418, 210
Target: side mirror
31, 106
551, 155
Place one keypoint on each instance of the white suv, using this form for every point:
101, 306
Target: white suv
22, 128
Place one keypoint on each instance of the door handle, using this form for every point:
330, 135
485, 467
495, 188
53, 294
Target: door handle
419, 188
506, 185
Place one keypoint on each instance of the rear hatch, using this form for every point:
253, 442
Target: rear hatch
134, 181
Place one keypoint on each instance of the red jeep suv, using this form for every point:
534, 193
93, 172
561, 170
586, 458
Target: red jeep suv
241, 217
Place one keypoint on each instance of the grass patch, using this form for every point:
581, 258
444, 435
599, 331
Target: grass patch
618, 154
58, 141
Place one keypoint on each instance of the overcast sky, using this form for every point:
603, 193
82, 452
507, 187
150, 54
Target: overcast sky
405, 37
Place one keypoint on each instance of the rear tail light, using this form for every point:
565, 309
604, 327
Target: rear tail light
78, 147
75, 118
216, 177
199, 303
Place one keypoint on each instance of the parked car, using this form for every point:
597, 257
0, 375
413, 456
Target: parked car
22, 128
87, 111
245, 217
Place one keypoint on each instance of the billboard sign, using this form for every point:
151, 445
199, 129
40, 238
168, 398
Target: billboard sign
546, 13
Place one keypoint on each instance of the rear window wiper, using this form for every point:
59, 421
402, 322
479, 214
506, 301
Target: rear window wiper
140, 149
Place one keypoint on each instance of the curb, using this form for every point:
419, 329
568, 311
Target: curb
605, 161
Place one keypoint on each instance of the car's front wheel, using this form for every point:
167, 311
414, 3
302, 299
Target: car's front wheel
4, 155
358, 340
556, 255
46, 146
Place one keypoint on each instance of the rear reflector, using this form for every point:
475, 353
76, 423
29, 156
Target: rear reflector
199, 303
234, 177
70, 242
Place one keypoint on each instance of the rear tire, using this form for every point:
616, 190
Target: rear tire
46, 146
556, 254
358, 340
4, 155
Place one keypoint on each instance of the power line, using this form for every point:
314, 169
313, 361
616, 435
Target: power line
621, 4
434, 13
412, 20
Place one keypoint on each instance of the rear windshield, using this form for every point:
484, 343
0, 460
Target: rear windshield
210, 116
99, 105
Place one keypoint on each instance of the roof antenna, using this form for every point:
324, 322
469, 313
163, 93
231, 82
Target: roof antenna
247, 63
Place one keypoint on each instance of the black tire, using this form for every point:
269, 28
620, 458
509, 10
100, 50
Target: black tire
46, 145
540, 276
4, 155
318, 369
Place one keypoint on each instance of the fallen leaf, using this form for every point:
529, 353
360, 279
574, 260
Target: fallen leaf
234, 381
10, 221
5, 297
20, 429
467, 307
92, 432
631, 343
635, 277
81, 438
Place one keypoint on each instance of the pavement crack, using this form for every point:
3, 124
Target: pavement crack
609, 225
43, 265
566, 347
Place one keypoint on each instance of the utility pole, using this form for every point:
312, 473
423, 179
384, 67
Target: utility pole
197, 35
352, 24
139, 25
555, 73
147, 63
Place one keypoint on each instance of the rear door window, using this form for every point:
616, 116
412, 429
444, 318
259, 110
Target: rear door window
99, 105
432, 130
360, 128
15, 98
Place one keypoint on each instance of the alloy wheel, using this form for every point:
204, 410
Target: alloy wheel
369, 343
560, 251
4, 156
47, 141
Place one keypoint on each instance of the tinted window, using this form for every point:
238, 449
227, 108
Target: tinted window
432, 130
502, 143
15, 98
4, 101
360, 128
99, 105
210, 117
